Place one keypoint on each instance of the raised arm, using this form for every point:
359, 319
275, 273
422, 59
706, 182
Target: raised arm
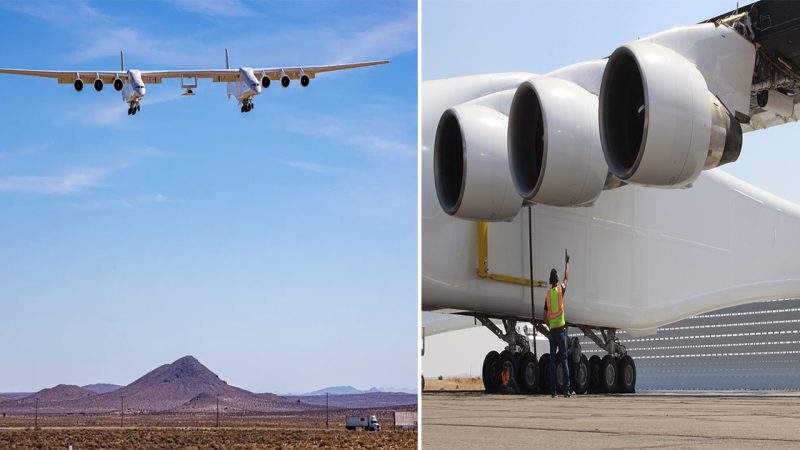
566, 267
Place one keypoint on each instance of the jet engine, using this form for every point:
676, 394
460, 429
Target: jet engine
553, 143
265, 81
659, 123
470, 164
78, 84
285, 80
98, 85
118, 85
304, 80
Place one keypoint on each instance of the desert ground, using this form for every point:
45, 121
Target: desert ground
197, 431
454, 384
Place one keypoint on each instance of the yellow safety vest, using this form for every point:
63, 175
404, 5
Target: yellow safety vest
555, 313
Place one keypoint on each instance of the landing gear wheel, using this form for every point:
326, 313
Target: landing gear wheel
608, 374
544, 374
627, 375
506, 361
242, 108
528, 374
579, 382
594, 374
489, 371
560, 382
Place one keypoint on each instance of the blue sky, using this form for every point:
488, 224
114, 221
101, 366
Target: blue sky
278, 247
471, 37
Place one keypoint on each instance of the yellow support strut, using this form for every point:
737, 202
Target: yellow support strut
483, 262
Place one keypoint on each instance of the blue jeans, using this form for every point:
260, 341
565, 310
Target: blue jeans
558, 339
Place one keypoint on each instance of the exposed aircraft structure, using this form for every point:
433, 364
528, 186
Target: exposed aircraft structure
615, 159
244, 83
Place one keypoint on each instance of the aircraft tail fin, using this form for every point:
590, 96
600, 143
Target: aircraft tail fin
227, 65
121, 61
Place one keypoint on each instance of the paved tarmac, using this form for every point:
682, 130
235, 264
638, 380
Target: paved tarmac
667, 420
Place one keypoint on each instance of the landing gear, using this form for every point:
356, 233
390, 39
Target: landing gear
247, 106
579, 380
544, 371
594, 374
132, 109
615, 372
627, 375
527, 373
608, 374
489, 372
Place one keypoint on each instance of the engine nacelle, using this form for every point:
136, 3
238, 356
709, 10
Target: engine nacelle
285, 80
78, 85
98, 85
304, 80
554, 150
470, 164
265, 81
659, 123
117, 85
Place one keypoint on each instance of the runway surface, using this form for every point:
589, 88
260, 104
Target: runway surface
656, 419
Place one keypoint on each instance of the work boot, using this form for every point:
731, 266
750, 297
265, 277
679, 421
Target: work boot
552, 395
566, 395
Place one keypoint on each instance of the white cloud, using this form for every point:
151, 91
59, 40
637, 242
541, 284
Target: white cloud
383, 40
215, 8
114, 114
64, 183
310, 166
386, 128
76, 179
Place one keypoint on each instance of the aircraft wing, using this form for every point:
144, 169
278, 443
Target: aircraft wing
227, 75
67, 77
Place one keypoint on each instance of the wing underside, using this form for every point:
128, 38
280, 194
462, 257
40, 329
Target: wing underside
215, 75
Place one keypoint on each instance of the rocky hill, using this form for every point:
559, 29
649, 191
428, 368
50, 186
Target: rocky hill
355, 401
185, 385
102, 388
57, 394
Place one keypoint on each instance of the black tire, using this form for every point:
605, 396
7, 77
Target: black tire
627, 375
506, 360
580, 385
608, 374
594, 374
544, 374
489, 370
527, 374
560, 376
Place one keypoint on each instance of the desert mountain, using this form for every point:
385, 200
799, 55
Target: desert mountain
102, 388
336, 390
363, 400
185, 385
350, 390
57, 394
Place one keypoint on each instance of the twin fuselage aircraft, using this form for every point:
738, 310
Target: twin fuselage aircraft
244, 83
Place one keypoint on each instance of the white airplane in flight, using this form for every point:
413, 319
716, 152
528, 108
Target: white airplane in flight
614, 159
244, 83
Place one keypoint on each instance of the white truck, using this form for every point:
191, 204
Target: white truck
368, 423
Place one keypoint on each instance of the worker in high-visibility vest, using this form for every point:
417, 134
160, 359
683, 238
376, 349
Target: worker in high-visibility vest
554, 315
